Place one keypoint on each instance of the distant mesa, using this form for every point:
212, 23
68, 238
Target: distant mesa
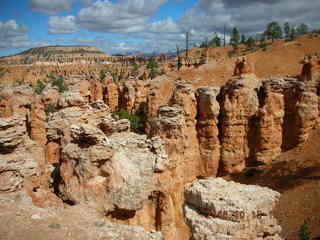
49, 55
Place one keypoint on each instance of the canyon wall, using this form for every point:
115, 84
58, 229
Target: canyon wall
76, 150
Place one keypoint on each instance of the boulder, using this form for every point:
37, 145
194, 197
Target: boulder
218, 209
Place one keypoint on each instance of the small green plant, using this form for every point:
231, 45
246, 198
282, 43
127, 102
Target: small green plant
3, 71
115, 77
49, 109
154, 73
135, 67
136, 122
102, 76
232, 54
39, 87
135, 70
59, 83
304, 232
152, 64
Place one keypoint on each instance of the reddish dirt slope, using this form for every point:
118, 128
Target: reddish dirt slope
279, 59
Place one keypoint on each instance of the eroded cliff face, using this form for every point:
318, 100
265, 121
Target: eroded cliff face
70, 148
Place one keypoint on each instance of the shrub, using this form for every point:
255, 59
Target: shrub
154, 73
39, 87
152, 64
135, 67
115, 77
136, 122
304, 232
49, 109
3, 71
102, 76
232, 53
59, 83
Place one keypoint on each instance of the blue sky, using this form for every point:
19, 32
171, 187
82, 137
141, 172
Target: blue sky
120, 26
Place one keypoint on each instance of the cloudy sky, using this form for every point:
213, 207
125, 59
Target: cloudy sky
120, 26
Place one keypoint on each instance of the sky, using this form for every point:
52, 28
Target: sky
123, 26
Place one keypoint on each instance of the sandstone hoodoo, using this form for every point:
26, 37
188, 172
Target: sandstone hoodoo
212, 143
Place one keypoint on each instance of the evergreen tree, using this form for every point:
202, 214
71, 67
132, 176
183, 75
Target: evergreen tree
216, 41
273, 31
302, 29
293, 33
287, 29
304, 232
250, 42
243, 39
235, 37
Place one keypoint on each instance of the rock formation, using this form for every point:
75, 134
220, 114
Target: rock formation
271, 116
71, 148
218, 209
111, 96
239, 107
243, 68
207, 128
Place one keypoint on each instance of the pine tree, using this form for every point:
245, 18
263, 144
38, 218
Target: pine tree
250, 42
235, 37
273, 31
292, 33
287, 29
302, 29
216, 41
243, 39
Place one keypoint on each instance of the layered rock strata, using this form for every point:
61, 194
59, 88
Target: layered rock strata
239, 107
207, 129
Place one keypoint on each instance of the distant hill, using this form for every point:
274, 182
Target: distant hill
281, 58
56, 50
57, 54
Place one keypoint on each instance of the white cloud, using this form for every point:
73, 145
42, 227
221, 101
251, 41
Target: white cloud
62, 25
54, 6
122, 17
164, 26
251, 16
13, 35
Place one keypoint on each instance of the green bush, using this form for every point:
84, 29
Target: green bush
3, 71
102, 76
152, 64
136, 121
154, 73
59, 83
49, 109
39, 87
115, 77
135, 67
304, 232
